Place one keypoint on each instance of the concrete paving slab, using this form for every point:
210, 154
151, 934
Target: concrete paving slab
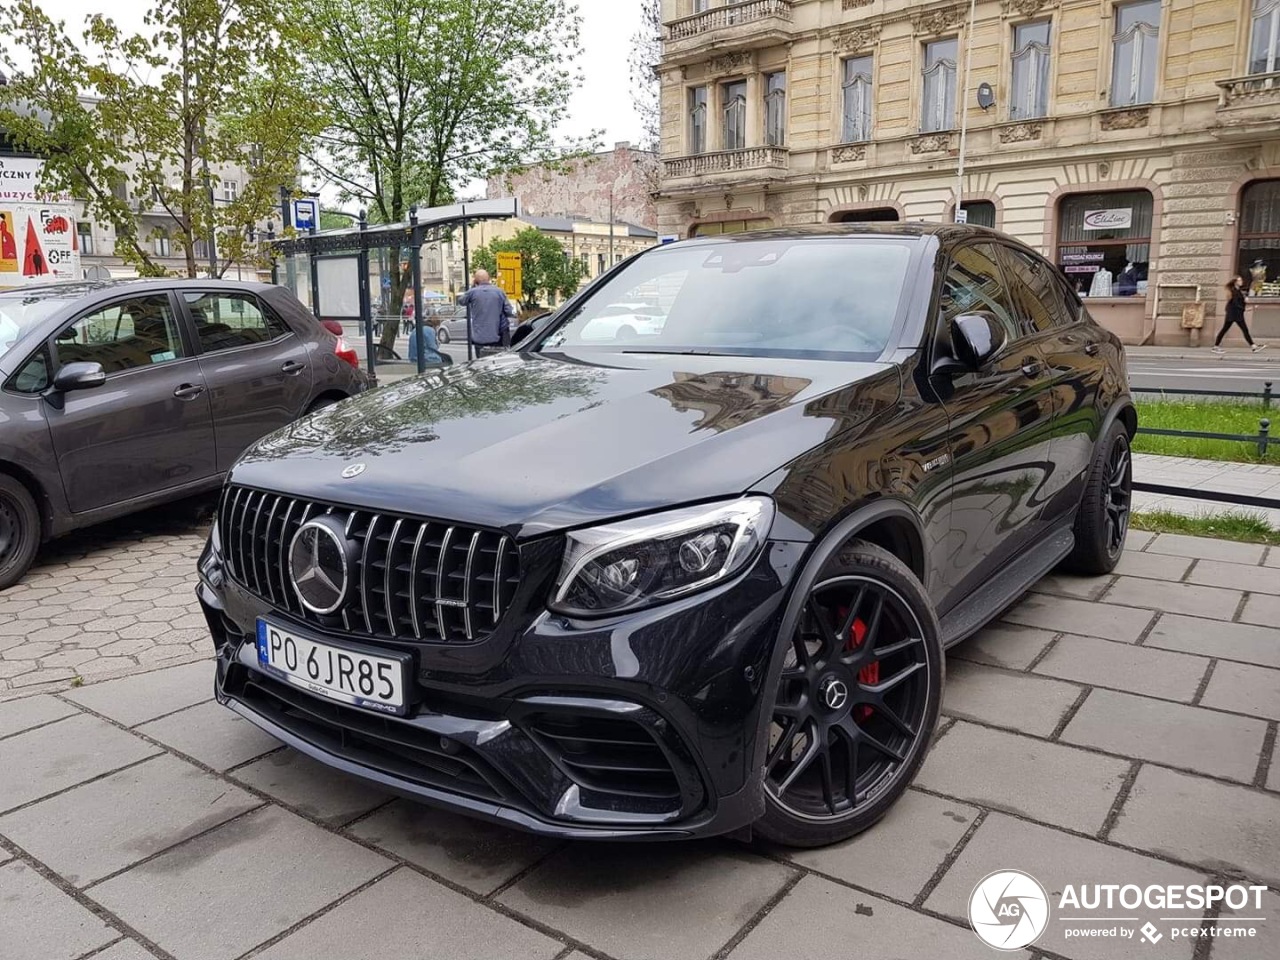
1262, 608
1261, 946
1204, 822
1238, 576
211, 734
1003, 645
1156, 673
1016, 700
40, 922
136, 699
1006, 771
1069, 585
1205, 741
1212, 602
1273, 773
1244, 688
901, 853
1247, 643
608, 896
819, 920
63, 754
311, 787
472, 853
125, 950
1153, 566
19, 715
407, 915
1137, 540
101, 827
1273, 558
1057, 859
1206, 548
268, 870
1081, 616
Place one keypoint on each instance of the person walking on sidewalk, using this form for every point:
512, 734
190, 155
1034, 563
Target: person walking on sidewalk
491, 315
1235, 314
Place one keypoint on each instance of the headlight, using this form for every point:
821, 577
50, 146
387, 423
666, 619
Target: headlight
637, 563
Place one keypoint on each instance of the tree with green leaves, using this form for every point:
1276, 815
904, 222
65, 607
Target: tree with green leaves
546, 266
144, 123
426, 96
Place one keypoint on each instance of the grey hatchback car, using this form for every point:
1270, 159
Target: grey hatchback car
118, 396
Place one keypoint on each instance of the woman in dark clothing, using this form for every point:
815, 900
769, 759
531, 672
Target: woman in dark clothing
1235, 314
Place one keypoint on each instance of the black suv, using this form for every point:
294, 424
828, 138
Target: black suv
688, 577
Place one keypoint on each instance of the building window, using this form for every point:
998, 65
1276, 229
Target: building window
1133, 53
1029, 97
735, 114
701, 6
160, 244
600, 264
1265, 43
1104, 242
229, 188
1259, 259
698, 120
728, 226
84, 234
980, 213
939, 106
586, 264
775, 109
857, 100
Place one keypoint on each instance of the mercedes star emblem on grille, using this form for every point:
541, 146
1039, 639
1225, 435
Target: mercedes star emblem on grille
318, 565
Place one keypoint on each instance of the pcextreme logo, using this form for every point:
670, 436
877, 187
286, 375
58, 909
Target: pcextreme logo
1010, 910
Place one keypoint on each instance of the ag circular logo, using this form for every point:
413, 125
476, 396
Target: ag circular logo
318, 564
1008, 909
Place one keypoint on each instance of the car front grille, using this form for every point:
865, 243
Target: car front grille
414, 579
608, 756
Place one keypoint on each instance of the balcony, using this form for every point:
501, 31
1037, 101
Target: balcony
765, 163
736, 26
1248, 105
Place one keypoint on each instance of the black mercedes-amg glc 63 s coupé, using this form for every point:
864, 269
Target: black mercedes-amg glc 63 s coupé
685, 577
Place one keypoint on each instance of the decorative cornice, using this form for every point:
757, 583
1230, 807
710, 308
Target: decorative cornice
856, 39
1126, 119
1027, 8
855, 4
939, 21
1018, 132
848, 153
731, 62
931, 143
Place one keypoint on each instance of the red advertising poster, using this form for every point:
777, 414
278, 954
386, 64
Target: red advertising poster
33, 262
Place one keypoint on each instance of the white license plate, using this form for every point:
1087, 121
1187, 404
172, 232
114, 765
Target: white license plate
337, 673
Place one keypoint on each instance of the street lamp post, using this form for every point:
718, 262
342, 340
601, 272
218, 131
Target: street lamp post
964, 111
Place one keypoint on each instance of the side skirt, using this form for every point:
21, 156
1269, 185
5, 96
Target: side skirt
1006, 587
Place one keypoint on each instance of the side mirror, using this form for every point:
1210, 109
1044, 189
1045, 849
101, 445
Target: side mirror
79, 376
523, 331
976, 338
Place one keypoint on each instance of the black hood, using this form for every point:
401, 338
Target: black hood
532, 443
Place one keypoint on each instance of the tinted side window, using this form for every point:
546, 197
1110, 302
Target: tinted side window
1037, 292
973, 284
227, 320
33, 376
124, 336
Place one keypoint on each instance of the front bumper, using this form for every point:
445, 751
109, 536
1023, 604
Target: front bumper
644, 726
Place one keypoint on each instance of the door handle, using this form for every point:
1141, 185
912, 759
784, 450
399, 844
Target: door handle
1091, 349
1032, 369
188, 391
292, 367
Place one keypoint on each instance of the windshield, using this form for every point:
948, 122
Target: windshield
798, 296
20, 312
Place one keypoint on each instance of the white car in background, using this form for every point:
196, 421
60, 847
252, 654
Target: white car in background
625, 321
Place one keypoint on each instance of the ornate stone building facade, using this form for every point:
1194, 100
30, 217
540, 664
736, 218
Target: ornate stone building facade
1137, 144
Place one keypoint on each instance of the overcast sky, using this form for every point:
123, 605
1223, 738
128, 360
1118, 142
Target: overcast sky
602, 103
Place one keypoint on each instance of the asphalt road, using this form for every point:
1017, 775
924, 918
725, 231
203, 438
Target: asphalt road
1207, 373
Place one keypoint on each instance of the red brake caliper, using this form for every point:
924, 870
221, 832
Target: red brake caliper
870, 674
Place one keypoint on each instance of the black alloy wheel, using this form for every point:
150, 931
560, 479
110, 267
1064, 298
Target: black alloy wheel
856, 702
19, 530
1118, 479
1102, 521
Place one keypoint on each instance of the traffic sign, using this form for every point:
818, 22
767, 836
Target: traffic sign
511, 274
306, 213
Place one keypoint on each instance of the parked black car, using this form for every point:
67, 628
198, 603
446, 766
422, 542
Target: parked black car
118, 396
693, 580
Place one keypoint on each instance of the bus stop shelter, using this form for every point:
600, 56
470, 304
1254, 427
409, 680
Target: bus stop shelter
331, 270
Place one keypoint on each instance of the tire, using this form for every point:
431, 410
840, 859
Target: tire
320, 404
1102, 521
442, 335
19, 530
811, 804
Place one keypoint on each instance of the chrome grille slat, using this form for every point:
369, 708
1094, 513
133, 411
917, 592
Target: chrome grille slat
445, 599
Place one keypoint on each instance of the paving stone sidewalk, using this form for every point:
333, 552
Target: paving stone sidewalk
1115, 730
1250, 479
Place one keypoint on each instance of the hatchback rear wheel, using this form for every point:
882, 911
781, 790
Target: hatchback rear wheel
856, 702
19, 530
